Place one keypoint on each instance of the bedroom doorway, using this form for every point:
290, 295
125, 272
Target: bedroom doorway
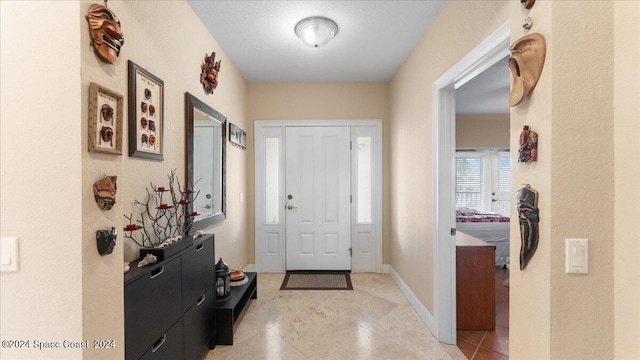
485, 55
482, 206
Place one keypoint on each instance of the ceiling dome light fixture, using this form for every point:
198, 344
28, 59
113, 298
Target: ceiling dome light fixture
316, 31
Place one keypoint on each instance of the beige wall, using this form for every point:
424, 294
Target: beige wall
63, 286
464, 24
41, 202
64, 289
482, 131
531, 289
586, 116
626, 132
163, 51
582, 326
327, 101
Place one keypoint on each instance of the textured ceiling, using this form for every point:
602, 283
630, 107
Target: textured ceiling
374, 38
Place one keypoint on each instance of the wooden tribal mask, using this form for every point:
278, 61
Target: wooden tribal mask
526, 62
104, 191
106, 34
209, 74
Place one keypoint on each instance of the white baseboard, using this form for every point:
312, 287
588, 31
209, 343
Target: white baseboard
250, 268
417, 305
385, 268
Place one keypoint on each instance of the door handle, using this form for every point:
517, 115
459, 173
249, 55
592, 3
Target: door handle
493, 200
291, 207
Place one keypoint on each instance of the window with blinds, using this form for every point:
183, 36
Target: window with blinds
483, 180
469, 181
504, 184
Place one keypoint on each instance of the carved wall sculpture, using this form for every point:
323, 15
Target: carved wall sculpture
528, 151
526, 62
209, 74
104, 191
528, 217
106, 32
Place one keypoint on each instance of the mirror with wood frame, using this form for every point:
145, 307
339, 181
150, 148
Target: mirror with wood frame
205, 158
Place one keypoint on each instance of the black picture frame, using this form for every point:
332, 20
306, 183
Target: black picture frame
237, 136
146, 114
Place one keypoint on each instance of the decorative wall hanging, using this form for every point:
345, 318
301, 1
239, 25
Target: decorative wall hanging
237, 137
146, 113
209, 74
105, 120
528, 151
106, 34
106, 240
526, 62
528, 4
163, 219
528, 217
104, 191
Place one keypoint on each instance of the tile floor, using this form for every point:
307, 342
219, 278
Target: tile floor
481, 345
373, 321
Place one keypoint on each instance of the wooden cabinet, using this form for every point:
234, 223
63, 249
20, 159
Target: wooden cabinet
170, 306
475, 283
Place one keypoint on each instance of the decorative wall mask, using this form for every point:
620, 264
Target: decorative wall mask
106, 33
209, 74
106, 240
526, 62
104, 191
528, 4
528, 145
528, 217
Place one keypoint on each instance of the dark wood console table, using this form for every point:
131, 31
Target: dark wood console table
228, 312
475, 283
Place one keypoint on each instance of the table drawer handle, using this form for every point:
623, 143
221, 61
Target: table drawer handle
157, 272
159, 343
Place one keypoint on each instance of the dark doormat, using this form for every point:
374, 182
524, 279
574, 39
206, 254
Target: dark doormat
317, 280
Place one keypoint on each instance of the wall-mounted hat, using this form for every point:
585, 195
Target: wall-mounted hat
525, 63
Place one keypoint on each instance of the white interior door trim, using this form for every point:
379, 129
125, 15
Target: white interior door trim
269, 238
489, 52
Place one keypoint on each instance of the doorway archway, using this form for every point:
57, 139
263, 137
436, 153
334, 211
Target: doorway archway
486, 54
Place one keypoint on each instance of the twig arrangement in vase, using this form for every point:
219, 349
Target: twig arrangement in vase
162, 223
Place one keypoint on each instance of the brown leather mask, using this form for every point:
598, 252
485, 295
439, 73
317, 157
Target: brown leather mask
106, 32
526, 62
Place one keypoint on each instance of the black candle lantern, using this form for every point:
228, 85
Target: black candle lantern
223, 282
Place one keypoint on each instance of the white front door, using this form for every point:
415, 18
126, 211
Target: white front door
318, 198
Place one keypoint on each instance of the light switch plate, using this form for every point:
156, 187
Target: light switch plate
576, 256
9, 254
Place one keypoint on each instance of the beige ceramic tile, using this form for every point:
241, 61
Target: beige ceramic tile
374, 321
